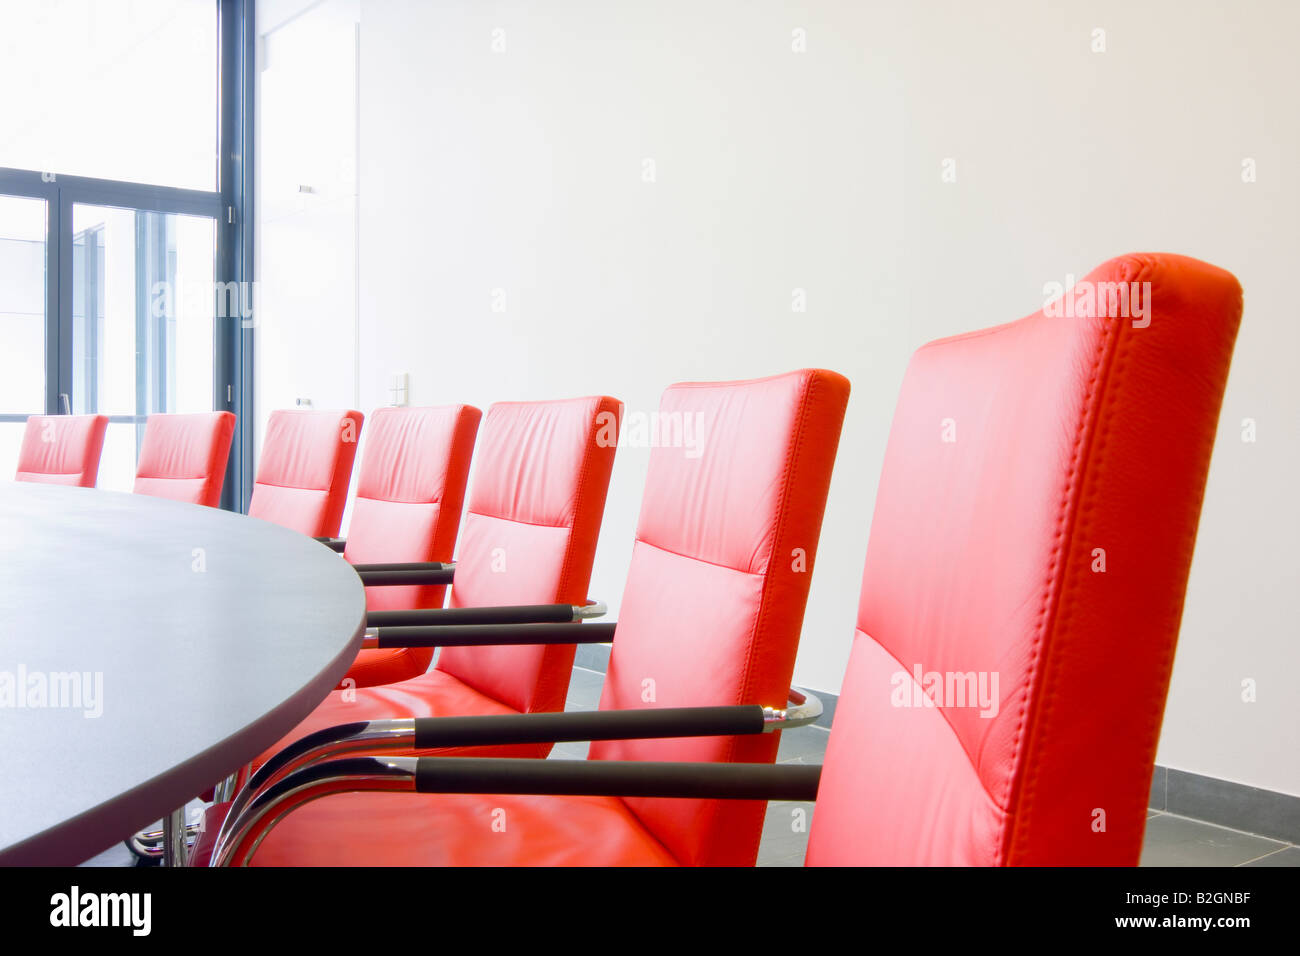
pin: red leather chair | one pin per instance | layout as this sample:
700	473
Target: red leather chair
183	457
1035	520
529	537
1081	444
710	615
62	449
305	468
410	494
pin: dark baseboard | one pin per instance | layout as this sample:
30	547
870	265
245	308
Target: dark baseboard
1262	812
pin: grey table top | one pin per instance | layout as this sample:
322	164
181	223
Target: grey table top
199	638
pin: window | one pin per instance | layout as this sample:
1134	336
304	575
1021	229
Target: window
116	90
123	198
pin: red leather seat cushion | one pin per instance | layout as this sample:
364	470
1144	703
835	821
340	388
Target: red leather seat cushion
404	829
387	665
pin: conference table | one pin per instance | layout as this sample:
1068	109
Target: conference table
148	649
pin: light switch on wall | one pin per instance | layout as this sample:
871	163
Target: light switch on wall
399	389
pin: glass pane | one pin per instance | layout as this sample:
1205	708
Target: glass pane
142	302
117	463
22	306
11	441
112	90
142	331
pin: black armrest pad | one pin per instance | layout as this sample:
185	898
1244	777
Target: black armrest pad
432	732
509	614
620	778
482	635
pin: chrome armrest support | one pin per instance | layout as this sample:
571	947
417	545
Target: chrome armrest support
589	610
429	733
802	709
241	836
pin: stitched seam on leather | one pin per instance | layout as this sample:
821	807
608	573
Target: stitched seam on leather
530	524
566	568
272	484
396	501
691	557
943	712
578	500
1089	481
1090	414
1149	727
765	600
342	462
1007	829
1070	582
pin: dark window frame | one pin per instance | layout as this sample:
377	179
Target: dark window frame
230	205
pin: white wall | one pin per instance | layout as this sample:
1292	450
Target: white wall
305	336
522	170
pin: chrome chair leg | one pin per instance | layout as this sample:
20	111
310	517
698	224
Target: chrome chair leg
175	851
147	845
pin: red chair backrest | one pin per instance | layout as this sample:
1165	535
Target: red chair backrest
529	536
183	457
62	449
410	494
715	596
306	465
1021	458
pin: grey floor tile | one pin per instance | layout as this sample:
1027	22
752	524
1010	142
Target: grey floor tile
808	744
571	750
1178	841
785	833
1287	857
584	689
594	657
